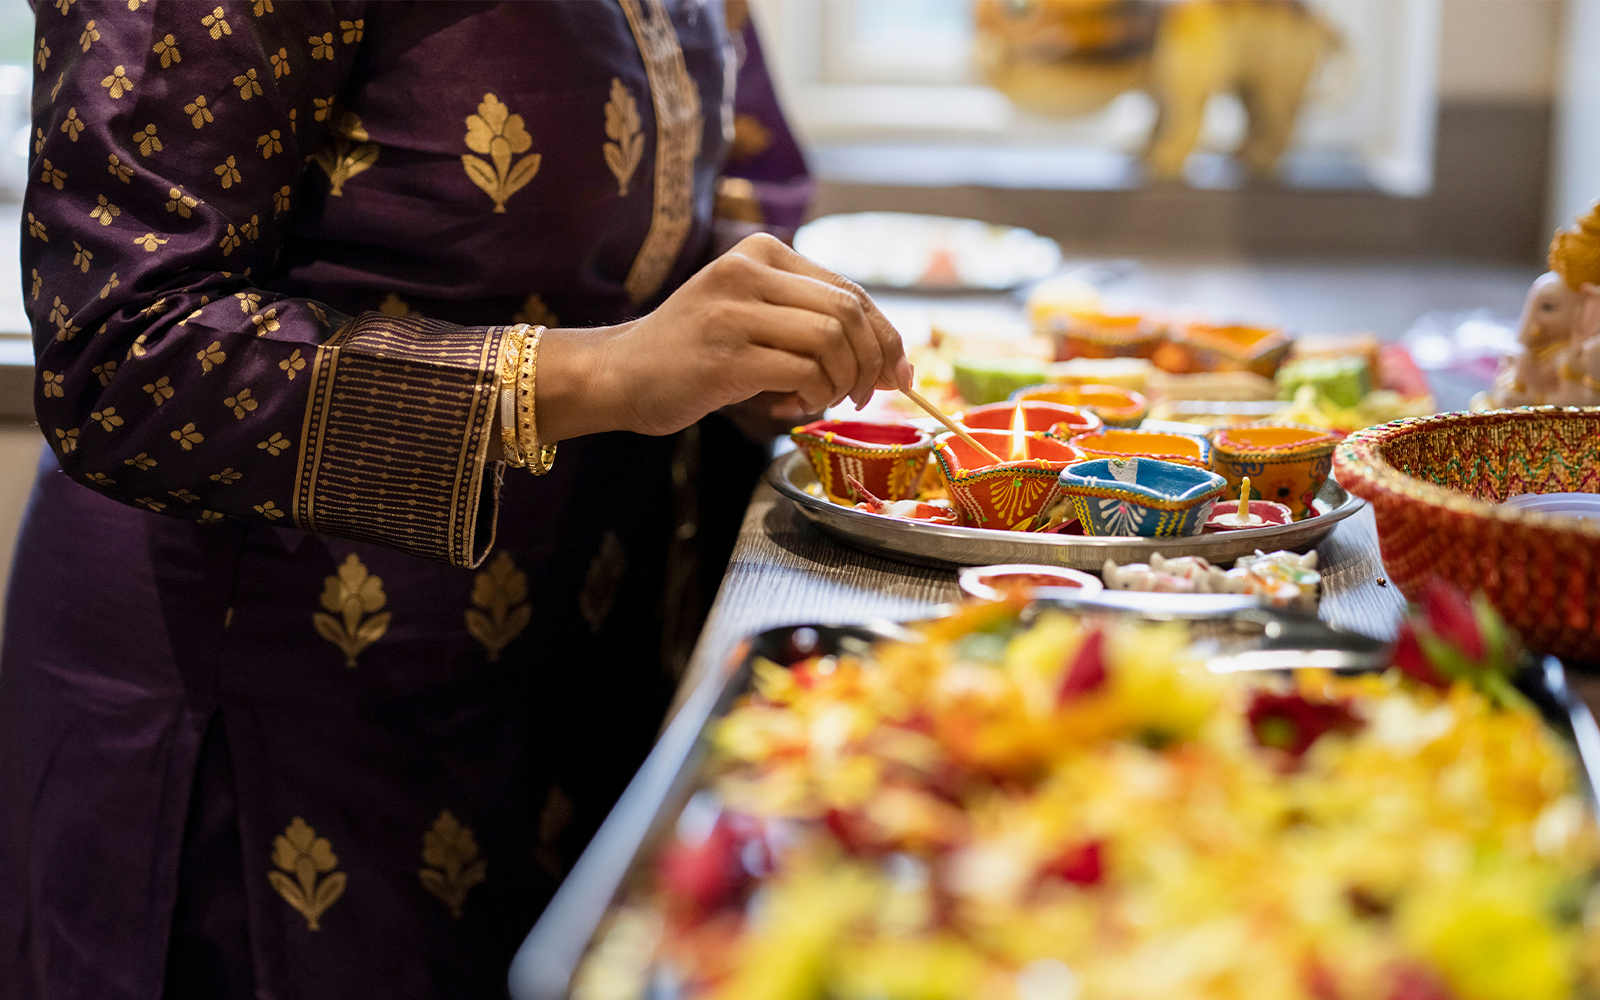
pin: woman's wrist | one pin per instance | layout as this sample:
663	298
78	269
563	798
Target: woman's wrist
577	390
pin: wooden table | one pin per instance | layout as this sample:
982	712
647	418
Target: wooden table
786	571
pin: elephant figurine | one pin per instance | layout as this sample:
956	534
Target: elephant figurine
1559	329
1070	57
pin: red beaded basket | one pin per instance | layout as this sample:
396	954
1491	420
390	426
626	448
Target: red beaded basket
1434	484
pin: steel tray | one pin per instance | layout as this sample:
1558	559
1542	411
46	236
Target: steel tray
649	808
949	545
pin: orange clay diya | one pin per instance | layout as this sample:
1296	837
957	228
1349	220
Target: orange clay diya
1248	513
1106	335
1115	405
1163	446
886	458
1203	347
1286	463
1010	496
1040	417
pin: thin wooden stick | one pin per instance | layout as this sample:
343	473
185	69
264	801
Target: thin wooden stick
955	428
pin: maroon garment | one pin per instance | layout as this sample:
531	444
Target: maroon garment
241	759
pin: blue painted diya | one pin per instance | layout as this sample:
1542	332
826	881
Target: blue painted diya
1140	496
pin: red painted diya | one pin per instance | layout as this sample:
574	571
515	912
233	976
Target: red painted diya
1009	496
886	458
1039	416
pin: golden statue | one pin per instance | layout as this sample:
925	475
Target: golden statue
1070	57
1560	327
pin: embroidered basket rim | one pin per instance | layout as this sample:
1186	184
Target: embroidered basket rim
1360	467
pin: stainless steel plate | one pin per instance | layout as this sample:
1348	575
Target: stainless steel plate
946	545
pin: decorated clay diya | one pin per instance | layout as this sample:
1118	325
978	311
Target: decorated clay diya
1009	496
996	583
1039	417
887	458
1106	335
1140	496
1258	349
1286	463
1117	406
1164	446
1247	513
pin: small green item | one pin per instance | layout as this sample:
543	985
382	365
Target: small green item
1342	381
991	380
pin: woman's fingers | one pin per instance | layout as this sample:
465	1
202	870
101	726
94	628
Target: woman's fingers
813	335
890	367
782	371
798	292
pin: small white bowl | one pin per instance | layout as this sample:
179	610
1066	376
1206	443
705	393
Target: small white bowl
975	579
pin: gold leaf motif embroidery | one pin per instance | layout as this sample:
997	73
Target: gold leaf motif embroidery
262	7
280	64
82	258
38	141
602	582
217	23
111	283
107	418
269	144
52	176
99	479
251	231
68	440
160	390
197	111
105	211
211	356
183	495
352	30
72	125
351	594
322	46
104	372
394	305
142	461
248	301
146	138
209	516
121	171
118	83
292	364
53	384
553	821
622	125
341	158
180	203
268	510
38	283
62	5
167	49
248	85
230	239
281	200
500	593
54	91
227	477
240	404
298	851
451	852
228	171
61	317
149	241
36	229
535	313
152	503
188	437
137	348
498	134
43	56
89	37
275	445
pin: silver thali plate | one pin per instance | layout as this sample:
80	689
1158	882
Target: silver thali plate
949	545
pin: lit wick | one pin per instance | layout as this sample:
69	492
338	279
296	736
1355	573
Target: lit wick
1019	434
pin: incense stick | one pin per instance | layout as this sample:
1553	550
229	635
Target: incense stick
954	428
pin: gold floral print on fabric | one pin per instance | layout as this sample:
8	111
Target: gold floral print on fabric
600	586
626	147
534	312
450	852
357	598
90	35
678	126
554	819
346	152
498	134
501	609
299	852
394	305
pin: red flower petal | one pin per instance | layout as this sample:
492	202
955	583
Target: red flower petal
1449	616
1087	670
1408	656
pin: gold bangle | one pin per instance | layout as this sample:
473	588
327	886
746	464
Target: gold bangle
510	364
540	457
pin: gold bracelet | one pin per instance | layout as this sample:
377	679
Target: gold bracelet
540	457
510	364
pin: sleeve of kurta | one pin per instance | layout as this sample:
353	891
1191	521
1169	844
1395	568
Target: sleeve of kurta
171	143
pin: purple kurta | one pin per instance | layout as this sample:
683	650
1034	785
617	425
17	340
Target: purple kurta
269	250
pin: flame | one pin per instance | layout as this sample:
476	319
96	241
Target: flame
1019	434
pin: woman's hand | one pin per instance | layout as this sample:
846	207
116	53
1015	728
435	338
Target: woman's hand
760	318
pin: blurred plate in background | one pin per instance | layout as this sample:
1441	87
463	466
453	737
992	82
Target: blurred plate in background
928	252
